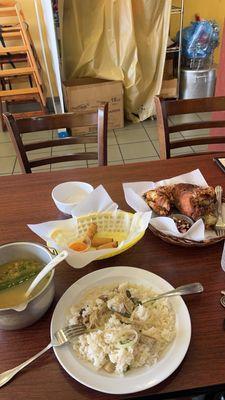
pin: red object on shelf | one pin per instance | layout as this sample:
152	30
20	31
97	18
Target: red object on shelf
197	18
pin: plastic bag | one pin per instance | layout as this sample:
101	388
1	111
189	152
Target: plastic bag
200	39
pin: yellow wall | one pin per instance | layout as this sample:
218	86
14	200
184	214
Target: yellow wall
30	16
207	9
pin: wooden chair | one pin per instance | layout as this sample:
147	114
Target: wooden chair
167	108
18	127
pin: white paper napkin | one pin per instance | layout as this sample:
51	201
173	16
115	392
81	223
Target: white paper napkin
134	191
97	201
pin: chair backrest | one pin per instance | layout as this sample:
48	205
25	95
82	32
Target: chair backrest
97	119
167	108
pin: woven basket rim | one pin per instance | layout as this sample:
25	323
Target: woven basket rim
184	241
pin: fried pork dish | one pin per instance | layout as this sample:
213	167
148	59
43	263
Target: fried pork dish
191	200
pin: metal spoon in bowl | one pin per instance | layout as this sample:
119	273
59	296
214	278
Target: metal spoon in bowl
52	264
180	291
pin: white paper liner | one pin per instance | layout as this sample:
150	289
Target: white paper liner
134	191
97	201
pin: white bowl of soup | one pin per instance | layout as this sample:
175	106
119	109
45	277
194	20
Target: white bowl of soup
20	262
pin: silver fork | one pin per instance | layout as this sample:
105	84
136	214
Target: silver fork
61	337
220	225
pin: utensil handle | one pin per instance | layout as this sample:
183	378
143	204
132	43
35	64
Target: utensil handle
7	375
60	257
180	291
219	191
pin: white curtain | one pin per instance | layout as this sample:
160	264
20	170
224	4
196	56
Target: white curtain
117	40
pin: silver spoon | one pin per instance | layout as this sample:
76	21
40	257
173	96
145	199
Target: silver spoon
52	264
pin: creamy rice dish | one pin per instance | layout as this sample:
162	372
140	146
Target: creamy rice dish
122	333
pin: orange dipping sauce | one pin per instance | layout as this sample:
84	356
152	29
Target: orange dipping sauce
78	246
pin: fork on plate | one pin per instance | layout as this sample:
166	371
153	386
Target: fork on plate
62	336
220	224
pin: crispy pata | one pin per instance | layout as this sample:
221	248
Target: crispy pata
192	200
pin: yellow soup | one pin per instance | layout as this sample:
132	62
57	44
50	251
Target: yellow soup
15	278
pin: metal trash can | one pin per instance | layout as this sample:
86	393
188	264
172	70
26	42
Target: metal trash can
197	83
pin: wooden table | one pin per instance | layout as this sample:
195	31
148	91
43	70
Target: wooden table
27	199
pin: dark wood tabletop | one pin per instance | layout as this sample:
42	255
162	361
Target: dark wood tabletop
27	199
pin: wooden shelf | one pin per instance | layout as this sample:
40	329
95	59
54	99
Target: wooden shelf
176	10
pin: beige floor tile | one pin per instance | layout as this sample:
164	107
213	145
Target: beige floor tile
111	139
205	116
183	150
153	134
137	150
44	168
129	125
36	136
7	150
183	118
92	164
68	149
150	123
39	153
113	154
195	133
118	162
17	169
4	137
135	160
200	148
170	122
132	136
7	165
69	165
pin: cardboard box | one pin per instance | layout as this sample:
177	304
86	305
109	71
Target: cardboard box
169	88
86	94
168	69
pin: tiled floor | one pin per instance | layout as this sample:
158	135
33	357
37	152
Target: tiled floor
133	143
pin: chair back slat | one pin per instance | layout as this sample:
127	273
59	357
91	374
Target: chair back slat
191	106
57	121
61	142
197	141
17	128
59	159
167	108
196	125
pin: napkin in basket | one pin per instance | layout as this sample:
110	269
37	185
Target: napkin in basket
133	194
97	201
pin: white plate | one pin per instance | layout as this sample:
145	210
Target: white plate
137	379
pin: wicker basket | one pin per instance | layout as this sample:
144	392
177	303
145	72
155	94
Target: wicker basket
183	241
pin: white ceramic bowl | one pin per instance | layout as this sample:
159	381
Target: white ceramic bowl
68	194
